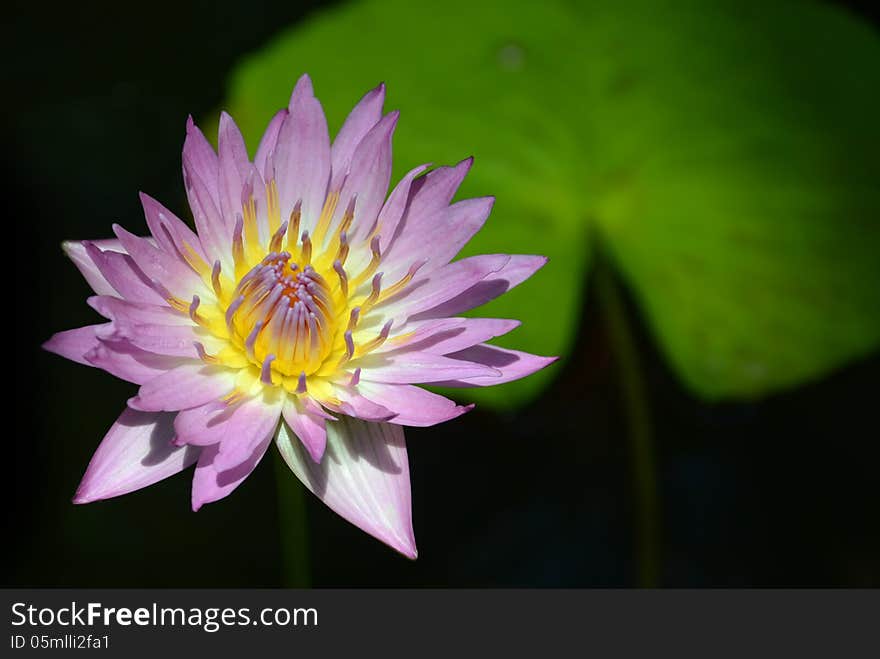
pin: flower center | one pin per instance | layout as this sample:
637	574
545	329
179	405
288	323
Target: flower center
285	314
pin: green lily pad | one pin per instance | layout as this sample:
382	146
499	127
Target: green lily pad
724	155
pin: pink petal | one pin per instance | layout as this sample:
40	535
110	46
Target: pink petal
234	166
362	118
267	145
212	484
445	233
136	452
254	420
428	291
215	231
126	278
307	425
129	362
354	405
136	313
302	156
364	477
370	175
433	193
76	252
170	340
213	422
392	211
169	231
443	336
183	387
74	344
416	367
515	271
202	160
158	265
512	364
413	406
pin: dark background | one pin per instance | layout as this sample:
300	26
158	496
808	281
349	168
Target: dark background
777	492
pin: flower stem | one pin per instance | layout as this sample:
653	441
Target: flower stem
293	527
638	416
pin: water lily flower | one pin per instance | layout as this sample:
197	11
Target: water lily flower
304	308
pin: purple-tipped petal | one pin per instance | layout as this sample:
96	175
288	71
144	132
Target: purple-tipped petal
364	477
136	452
512	364
302	156
76	252
75	344
360	120
412	406
212	484
519	268
307	425
418	367
183	387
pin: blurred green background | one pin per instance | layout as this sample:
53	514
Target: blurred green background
705	179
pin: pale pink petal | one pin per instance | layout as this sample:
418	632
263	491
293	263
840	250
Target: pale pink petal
183	387
364	477
360	120
307	425
412	406
74	344
302	156
211	484
416	367
76	252
519	268
136	452
512	364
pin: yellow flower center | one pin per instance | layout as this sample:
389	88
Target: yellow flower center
289	314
